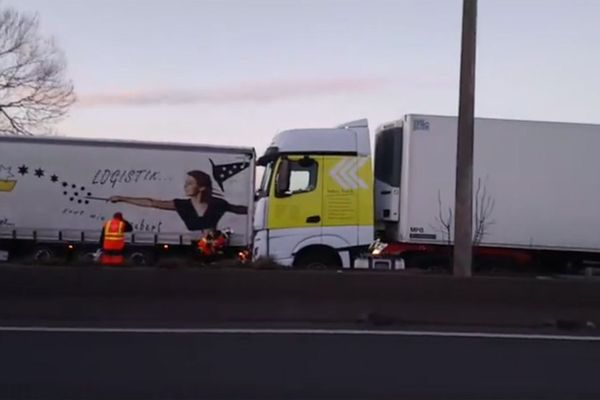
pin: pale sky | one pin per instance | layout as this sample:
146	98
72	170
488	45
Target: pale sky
237	72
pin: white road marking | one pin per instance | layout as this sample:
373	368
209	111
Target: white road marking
341	332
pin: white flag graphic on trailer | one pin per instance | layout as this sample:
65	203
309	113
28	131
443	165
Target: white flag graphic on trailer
345	173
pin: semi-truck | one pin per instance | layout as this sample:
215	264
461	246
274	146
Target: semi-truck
56	193
536	194
324	200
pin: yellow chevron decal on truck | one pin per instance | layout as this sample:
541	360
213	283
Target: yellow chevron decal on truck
344	173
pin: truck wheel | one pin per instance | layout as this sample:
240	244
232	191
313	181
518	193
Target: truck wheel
140	258
318	259
86	258
44	255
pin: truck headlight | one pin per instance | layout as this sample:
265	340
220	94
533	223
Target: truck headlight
377	248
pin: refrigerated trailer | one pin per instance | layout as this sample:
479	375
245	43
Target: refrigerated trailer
536	191
56	193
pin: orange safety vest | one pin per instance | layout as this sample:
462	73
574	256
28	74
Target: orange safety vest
114	235
212	243
205	245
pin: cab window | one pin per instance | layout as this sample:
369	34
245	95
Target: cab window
296	176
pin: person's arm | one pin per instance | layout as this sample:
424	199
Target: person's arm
128	226
144	202
237	209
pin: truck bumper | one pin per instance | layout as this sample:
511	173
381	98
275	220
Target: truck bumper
379	263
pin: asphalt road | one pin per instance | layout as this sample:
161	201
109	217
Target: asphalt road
293	365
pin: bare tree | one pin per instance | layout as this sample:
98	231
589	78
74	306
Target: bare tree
444	222
483	210
484	206
33	90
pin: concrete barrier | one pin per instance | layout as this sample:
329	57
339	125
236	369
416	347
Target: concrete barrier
199	297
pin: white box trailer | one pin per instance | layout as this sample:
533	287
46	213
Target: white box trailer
536	188
57	192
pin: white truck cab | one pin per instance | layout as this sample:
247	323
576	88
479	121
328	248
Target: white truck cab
315	203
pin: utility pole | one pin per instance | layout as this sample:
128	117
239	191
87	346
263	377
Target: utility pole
463	216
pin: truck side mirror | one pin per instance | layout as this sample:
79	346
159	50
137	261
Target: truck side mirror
283	178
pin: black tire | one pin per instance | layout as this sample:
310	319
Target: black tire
45	255
318	259
85	258
140	258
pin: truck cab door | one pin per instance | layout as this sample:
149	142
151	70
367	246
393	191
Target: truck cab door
295	211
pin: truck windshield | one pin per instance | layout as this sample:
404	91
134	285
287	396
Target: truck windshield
263	190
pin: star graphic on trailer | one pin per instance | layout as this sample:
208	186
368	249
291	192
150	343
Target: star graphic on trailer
23	170
72	192
39	172
225	171
54	178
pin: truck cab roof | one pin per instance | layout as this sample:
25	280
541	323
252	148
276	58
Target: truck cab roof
351	138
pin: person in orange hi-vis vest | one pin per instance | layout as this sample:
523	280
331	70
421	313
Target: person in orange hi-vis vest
213	243
113	240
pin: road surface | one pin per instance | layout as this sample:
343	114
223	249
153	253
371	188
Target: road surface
293	364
